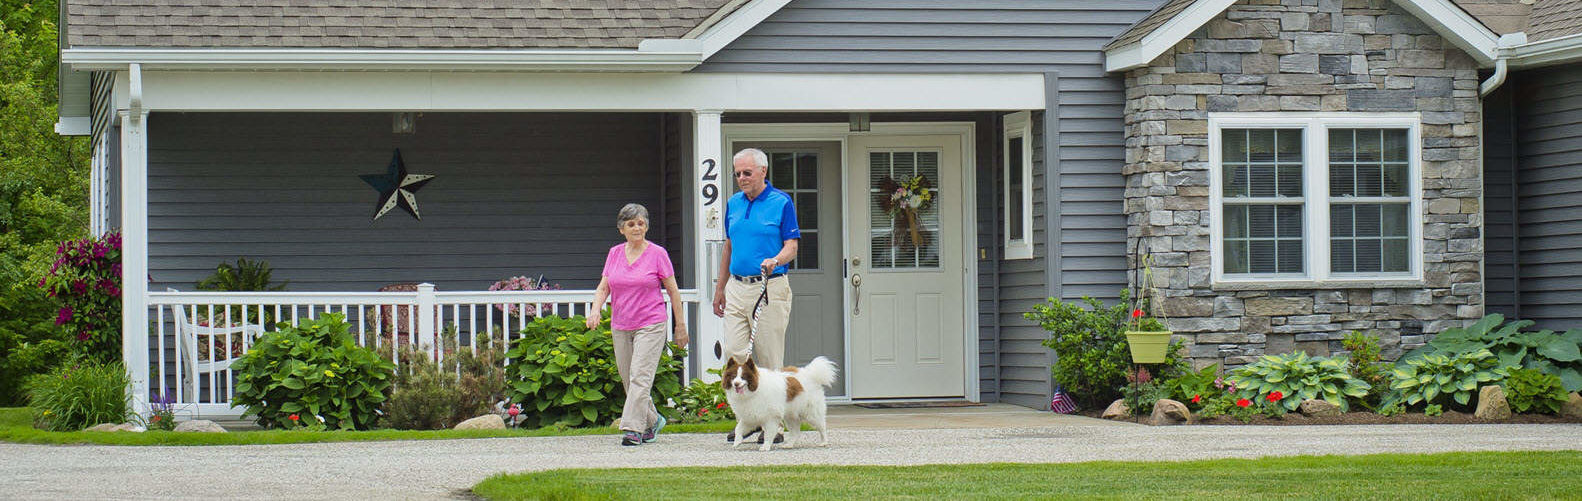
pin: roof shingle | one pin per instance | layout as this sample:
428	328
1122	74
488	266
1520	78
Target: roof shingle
408	24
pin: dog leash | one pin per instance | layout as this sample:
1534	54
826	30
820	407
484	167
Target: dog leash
758	307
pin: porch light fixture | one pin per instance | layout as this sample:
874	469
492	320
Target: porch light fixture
403	122
859	122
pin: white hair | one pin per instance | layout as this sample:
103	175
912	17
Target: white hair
630	212
759	158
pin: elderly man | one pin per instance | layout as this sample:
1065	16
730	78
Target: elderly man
761	236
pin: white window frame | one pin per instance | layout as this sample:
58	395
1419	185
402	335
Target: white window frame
1018	125
1315	189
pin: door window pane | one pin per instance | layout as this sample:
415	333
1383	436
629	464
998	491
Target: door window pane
796	173
901	238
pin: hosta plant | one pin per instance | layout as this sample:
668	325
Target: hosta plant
1297	377
312	370
563	373
1432	378
1530	390
1554	353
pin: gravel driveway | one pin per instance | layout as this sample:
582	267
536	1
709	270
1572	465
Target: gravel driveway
439	469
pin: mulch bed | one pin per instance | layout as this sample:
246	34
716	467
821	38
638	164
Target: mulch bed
1297	419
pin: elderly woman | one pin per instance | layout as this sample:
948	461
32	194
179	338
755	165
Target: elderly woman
634	273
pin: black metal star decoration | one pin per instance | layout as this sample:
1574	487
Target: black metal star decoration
397	188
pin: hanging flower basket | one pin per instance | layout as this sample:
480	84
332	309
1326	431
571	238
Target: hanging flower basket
1148	347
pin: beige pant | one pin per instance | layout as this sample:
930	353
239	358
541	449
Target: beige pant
769	344
637	358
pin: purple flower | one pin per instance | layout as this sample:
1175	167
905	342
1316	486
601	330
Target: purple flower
79	287
64	316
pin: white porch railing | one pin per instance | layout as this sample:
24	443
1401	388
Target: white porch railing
196	335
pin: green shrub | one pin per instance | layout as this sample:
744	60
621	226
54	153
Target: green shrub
75	396
1297	377
313	369
1433	410
23	355
1363	364
1140	397
464	385
1092	356
1431	378
1239	407
701	402
1532	390
563	373
244	276
1557	354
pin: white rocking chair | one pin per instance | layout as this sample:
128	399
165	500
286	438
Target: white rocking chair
187	332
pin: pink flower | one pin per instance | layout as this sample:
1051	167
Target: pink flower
63	316
515	409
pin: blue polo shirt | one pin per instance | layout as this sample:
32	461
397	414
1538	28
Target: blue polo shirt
758	228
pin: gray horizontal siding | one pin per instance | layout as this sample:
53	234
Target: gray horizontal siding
1544	280
993	36
514	194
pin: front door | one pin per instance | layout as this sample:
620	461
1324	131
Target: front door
906	271
810	173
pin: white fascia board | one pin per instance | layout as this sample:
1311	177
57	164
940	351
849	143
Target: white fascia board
722	33
1456	25
506	91
1167	35
74	126
1545	53
91	58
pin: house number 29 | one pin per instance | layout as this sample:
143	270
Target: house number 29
711	191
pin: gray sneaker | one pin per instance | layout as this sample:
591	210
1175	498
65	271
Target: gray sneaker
652	433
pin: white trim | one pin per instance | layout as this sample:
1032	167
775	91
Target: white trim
134	252
1450	21
1315	236
105	58
839	132
74	126
708	223
1017	125
500	91
1545	53
721	34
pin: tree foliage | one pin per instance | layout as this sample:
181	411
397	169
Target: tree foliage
43	191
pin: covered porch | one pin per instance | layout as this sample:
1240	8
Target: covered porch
265	165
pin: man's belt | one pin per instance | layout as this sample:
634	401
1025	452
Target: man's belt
753	279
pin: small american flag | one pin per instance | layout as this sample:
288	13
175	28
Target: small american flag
1061	402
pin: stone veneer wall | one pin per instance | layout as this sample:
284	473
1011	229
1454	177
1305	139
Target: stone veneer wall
1302	55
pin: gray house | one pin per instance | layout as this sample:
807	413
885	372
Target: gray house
1070	149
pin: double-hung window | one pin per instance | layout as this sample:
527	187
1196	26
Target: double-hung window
1319	198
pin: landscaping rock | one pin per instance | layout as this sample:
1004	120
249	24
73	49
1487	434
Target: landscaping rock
1170	412
484	422
102	427
1492	404
1573	407
1313	407
129	427
201	426
1117	410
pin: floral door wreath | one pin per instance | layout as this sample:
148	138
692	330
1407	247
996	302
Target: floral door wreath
902	201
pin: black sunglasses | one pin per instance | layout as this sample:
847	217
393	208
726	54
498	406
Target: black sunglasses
744	173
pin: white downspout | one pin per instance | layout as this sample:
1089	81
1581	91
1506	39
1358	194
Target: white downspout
1501	62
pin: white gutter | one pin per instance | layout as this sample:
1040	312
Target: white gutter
1545	53
91	59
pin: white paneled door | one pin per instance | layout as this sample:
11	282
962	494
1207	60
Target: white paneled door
905	282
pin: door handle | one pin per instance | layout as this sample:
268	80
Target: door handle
856	294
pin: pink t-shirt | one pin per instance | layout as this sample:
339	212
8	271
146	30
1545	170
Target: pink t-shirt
637	289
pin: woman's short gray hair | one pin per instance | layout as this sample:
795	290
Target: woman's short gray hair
630	212
760	159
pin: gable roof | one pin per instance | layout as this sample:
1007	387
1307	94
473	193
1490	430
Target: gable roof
1175	20
386	24
1554	19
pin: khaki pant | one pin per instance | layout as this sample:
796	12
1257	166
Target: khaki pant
769	345
637	358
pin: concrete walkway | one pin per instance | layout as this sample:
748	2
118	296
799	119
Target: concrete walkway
439	469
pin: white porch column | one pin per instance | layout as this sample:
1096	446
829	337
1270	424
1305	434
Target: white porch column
709	220
134	242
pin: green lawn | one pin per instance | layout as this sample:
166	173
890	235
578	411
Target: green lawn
1475	475
16	426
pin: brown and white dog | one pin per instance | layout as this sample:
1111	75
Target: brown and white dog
767	399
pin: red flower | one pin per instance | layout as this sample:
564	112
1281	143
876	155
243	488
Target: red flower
156	418
721	406
1276	396
1197	398
294	418
515	409
1243	403
1137	313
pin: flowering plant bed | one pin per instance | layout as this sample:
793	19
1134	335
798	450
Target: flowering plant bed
1361	418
